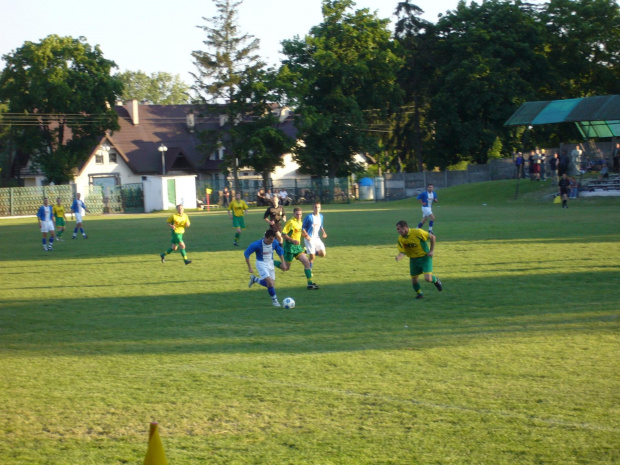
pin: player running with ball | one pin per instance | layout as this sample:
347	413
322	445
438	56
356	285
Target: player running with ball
264	249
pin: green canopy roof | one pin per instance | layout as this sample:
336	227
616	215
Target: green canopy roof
594	116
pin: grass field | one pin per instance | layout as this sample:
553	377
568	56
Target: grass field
517	361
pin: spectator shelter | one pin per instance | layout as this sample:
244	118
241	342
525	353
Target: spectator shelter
595	117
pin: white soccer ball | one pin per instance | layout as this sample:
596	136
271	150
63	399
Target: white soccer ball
288	303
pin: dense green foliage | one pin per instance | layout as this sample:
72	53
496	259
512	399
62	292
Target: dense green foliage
343	76
62	90
515	362
158	88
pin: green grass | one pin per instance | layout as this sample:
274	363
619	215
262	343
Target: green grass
515	362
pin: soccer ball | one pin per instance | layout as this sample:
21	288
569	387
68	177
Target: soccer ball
288	303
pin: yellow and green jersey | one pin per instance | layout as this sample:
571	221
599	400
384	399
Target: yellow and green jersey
238	207
292	229
180	222
416	244
58	211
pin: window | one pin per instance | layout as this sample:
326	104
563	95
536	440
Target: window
112	157
99	159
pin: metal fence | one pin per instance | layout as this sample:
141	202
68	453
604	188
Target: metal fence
25	201
299	191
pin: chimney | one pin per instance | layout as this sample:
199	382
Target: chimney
189	120
134	112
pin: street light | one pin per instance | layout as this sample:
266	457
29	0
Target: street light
163	149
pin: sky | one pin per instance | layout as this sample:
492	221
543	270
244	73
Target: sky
160	35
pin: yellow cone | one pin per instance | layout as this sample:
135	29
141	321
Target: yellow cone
155	454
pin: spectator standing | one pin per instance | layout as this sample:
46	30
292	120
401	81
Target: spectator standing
543	165
519	165
225	197
573	188
553	167
616	158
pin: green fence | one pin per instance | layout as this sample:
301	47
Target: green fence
25	201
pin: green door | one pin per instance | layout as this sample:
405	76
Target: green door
172	193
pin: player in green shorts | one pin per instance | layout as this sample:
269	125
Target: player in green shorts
236	210
291	233
414	243
177	222
61	221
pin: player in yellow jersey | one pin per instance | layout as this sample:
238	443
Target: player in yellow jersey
236	210
177	222
414	243
292	233
61	221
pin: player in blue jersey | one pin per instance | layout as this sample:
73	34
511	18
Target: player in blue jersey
45	216
264	249
427	198
78	208
313	226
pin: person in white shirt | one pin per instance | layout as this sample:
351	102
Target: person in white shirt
46	223
313	225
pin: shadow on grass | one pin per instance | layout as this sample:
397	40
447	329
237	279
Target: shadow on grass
344	317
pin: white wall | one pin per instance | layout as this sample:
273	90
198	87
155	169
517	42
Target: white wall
156	192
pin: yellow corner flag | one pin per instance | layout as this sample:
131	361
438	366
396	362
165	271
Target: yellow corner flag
557	199
155	454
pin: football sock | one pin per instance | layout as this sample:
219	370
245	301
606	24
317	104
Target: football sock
51	240
430	225
184	254
169	251
237	236
75	231
311	263
262	282
417	288
60	233
308	274
420	224
82	230
272	292
44	241
277	263
434	279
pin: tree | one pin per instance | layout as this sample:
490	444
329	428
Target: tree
158	88
489	59
584	47
63	88
343	78
415	78
228	84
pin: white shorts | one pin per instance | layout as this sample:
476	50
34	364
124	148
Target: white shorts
426	211
78	217
47	226
314	245
265	270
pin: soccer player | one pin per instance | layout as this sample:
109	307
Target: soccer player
274	216
46	223
78	207
313	227
264	249
236	210
178	222
59	216
414	243
291	233
427	198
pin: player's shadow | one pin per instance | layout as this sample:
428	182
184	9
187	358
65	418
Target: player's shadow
344	317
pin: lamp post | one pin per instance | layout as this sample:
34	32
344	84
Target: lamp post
163	149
